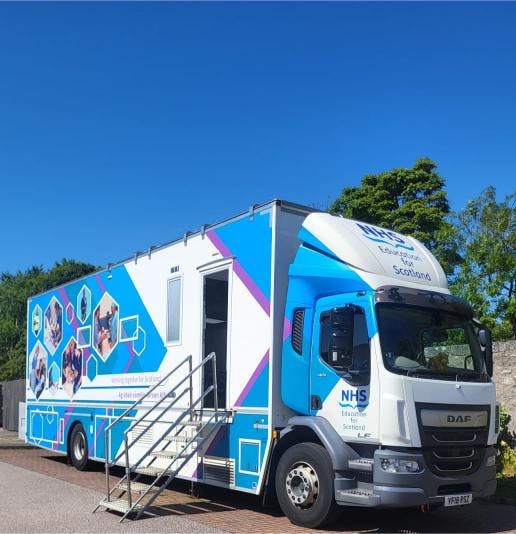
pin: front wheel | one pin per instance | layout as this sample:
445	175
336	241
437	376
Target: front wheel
304	485
78	450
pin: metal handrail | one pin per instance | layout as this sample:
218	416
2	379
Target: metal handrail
185	378
172	427
107	430
184	459
177	422
126	432
210	356
148	393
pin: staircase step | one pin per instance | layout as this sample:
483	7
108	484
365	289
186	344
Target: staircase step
152	471
196	424
182	439
361	464
119	505
168	454
136	487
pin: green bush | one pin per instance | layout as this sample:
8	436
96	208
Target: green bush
506	458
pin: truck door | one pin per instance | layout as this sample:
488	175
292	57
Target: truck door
340	389
215	333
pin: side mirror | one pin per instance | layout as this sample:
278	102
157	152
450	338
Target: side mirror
486	342
341	341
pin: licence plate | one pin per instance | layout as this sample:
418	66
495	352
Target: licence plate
458	500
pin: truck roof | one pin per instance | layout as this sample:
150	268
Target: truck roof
189	234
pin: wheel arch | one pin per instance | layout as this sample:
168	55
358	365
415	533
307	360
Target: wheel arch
340	452
312	429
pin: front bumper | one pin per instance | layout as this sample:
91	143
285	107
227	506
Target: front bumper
400	490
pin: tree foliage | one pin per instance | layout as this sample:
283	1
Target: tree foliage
411	201
15	289
486	276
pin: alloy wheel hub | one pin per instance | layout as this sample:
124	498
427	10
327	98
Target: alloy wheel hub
302	485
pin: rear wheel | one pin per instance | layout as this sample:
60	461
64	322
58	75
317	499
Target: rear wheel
304	485
78	448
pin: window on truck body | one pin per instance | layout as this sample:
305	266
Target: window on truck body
174	309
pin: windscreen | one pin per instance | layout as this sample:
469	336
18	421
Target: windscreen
429	343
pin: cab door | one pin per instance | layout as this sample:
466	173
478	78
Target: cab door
340	385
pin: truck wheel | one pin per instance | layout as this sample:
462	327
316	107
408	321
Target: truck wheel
78	449
304	485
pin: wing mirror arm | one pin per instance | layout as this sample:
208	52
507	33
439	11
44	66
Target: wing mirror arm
486	342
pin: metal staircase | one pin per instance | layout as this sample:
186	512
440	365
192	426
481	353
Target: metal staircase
164	457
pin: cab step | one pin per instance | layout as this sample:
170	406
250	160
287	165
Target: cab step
361	464
357	497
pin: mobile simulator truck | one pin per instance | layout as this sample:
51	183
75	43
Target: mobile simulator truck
287	353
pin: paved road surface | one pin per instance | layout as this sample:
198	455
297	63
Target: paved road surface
24	507
31	502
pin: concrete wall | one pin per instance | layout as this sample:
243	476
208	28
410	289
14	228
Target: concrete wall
504	356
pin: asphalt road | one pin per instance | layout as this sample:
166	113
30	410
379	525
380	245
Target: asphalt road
31	502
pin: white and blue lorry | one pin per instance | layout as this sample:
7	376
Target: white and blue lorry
283	352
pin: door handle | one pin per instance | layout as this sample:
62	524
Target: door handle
315	402
321	375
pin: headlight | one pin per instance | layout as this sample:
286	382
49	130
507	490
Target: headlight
491	460
393	465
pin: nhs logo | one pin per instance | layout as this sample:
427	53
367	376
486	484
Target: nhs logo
354	398
379	235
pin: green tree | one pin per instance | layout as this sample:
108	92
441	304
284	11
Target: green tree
411	201
15	289
486	276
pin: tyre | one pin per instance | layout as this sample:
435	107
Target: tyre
304	485
78	449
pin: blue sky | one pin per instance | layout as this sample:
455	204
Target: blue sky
124	125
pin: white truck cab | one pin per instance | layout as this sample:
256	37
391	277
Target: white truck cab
387	370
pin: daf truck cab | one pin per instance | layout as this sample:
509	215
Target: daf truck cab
387	376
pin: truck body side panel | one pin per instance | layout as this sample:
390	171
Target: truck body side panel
97	344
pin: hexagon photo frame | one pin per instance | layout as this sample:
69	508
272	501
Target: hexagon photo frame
70	313
140	342
105	326
71	365
83	304
38	369
37	320
53	325
54	378
92	368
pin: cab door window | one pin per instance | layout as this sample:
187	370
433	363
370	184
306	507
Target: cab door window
358	373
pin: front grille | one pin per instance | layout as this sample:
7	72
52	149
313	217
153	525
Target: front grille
454	436
453	451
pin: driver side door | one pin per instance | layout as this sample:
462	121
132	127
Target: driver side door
343	395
